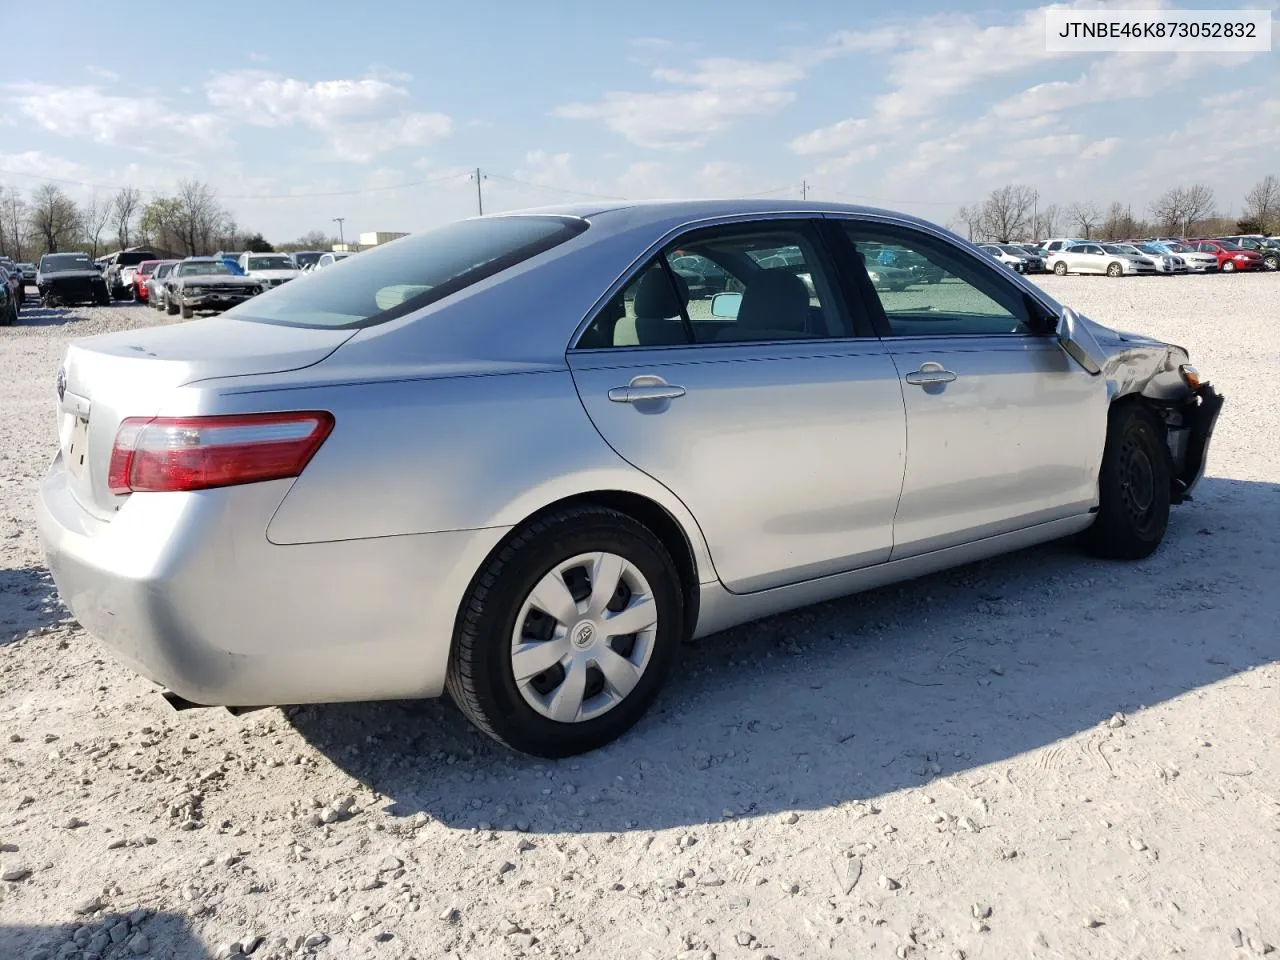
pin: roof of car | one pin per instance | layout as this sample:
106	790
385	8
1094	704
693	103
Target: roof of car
657	211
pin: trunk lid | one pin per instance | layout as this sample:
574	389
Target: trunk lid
107	378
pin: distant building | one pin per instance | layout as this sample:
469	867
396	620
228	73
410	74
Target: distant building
373	239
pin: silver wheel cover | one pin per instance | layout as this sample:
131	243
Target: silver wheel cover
575	658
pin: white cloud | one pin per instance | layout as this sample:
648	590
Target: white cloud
86	112
845	135
360	118
36	164
717	93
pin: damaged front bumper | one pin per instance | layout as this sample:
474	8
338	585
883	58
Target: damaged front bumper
1189	440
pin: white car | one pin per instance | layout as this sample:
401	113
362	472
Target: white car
1054	244
329	259
1098	258
1002	252
272	269
1196	261
1168	263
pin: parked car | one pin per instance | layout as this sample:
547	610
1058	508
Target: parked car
114	265
1231	257
1196	262
539	539
1014	257
8	308
155	284
28	273
8	298
272	269
329	259
1054	244
141	274
305	259
13	279
206	285
1098	258
1166	263
64	279
1268	249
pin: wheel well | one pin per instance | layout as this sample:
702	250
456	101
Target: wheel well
1162	412
664	526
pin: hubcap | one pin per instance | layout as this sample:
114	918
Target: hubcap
583	637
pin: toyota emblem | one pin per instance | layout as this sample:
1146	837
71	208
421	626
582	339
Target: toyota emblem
62	383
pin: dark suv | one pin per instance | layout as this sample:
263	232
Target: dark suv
116	286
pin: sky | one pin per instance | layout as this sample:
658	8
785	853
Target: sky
377	112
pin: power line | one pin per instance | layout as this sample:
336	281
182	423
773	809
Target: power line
547	186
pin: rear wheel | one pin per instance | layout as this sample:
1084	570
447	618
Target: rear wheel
1133	486
567	633
1060	268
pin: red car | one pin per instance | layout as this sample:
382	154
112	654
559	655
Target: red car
1231	256
140	279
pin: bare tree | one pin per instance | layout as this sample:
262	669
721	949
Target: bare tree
1262	204
1199	205
54	217
198	215
13	224
95	216
1168	210
1120	224
969	217
1046	224
1006	214
126	207
1084	215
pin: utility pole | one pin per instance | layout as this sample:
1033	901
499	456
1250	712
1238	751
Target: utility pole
804	189
1035	215
342	240
479	195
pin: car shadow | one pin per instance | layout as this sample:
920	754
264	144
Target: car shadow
165	934
28	601
866	695
40	316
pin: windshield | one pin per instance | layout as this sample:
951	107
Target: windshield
1228	245
279	262
61	262
202	268
395	279
1016	251
307	258
163	270
1151	248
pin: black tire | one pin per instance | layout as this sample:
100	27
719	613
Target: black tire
1271	261
187	313
1134	485
170	307
1115	270
1060	268
481	680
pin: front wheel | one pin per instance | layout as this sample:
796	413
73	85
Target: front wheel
567	632
1133	486
1271	261
1060	268
187	313
1115	270
1229	267
170	307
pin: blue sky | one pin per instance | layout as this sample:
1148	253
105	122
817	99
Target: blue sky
900	104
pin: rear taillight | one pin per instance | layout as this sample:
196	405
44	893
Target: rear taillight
195	453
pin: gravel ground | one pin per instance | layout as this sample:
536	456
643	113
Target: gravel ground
1038	756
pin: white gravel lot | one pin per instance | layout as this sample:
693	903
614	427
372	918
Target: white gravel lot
1040	756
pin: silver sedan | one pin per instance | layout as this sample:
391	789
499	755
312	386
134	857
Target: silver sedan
521	458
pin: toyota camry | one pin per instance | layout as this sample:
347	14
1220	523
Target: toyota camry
521	458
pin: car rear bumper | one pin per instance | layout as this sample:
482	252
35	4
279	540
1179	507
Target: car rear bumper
186	589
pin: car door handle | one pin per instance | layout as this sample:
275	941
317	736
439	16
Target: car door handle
645	391
929	373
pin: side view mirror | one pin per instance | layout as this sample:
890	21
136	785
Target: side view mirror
725	306
1078	342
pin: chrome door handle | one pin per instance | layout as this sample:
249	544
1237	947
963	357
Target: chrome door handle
929	373
645	387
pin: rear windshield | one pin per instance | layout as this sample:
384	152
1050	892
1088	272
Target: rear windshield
133	258
402	276
270	263
58	262
307	257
